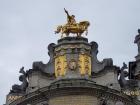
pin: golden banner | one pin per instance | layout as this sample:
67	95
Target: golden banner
84	64
60	65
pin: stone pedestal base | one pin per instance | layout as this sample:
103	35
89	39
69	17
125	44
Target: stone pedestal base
137	57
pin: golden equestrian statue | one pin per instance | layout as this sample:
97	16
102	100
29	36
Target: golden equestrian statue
72	27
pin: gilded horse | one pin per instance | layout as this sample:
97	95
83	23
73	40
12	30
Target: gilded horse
77	28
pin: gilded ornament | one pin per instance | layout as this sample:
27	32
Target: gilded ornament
85	64
72	27
60	65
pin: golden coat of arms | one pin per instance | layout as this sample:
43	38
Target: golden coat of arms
72	27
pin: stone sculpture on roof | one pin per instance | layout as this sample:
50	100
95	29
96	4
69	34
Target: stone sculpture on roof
137	41
20	88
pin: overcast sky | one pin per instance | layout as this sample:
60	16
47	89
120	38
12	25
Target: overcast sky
27	27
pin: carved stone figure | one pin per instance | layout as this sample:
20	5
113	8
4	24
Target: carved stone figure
126	84
123	75
72	27
137	41
21	88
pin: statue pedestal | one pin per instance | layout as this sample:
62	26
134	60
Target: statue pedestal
137	57
137	70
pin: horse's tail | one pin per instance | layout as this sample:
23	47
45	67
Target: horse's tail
58	29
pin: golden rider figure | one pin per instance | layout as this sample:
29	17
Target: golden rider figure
70	19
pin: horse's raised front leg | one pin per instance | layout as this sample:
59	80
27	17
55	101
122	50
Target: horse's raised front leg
67	34
78	34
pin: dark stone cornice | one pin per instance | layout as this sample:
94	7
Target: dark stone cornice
73	39
30	71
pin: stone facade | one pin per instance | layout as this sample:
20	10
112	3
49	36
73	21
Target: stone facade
75	76
73	100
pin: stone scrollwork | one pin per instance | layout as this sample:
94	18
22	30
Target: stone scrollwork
96	64
21	88
46	68
18	90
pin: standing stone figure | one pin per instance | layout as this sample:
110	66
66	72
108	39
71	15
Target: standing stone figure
137	41
123	75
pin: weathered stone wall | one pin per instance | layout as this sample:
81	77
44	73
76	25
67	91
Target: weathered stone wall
33	82
38	80
74	100
109	79
44	80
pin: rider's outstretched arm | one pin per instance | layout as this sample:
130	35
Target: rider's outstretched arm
66	12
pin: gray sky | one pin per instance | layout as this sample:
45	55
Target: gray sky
27	27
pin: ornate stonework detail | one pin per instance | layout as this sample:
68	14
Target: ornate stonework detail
72	64
60	65
76	46
97	65
13	97
68	87
21	88
84	64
